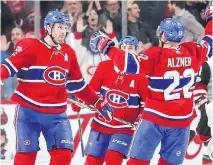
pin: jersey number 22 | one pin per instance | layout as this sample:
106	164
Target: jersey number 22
175	75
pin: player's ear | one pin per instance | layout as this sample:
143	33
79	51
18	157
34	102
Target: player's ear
49	29
163	37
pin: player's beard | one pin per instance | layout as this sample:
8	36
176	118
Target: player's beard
61	39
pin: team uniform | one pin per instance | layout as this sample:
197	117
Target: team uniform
126	94
168	110
46	74
203	102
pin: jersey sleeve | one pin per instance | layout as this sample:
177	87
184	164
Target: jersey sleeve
147	61
125	62
208	38
200	98
143	89
203	49
97	79
22	57
202	82
76	84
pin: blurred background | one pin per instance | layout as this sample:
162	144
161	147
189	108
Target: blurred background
24	19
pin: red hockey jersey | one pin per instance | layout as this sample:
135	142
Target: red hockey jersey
172	73
44	74
125	93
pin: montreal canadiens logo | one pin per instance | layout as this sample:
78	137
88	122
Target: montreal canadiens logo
55	75
117	99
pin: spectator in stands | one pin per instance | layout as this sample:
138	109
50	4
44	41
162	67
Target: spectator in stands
6	90
197	9
88	60
74	10
95	19
139	29
152	12
17	7
5	154
7	20
28	26
16	35
47	6
113	13
6	50
194	31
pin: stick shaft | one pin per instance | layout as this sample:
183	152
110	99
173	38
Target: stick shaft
82	105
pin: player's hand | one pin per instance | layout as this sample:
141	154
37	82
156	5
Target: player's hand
209	11
100	42
105	109
75	107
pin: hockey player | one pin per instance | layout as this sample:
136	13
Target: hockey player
172	69
109	142
46	69
203	102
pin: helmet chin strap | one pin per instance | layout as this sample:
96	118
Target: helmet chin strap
52	38
162	42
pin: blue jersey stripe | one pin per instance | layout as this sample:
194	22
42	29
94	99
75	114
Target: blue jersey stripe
49	107
132	65
75	86
163	84
32	74
12	71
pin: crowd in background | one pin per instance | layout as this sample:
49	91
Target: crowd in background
86	17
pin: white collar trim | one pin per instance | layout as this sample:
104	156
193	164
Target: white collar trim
58	47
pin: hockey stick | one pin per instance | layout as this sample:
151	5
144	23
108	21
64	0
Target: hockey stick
80	134
82	105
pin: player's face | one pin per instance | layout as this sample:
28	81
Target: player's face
16	35
59	32
129	48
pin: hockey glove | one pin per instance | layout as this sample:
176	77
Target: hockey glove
104	109
137	121
100	42
201	101
209	11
